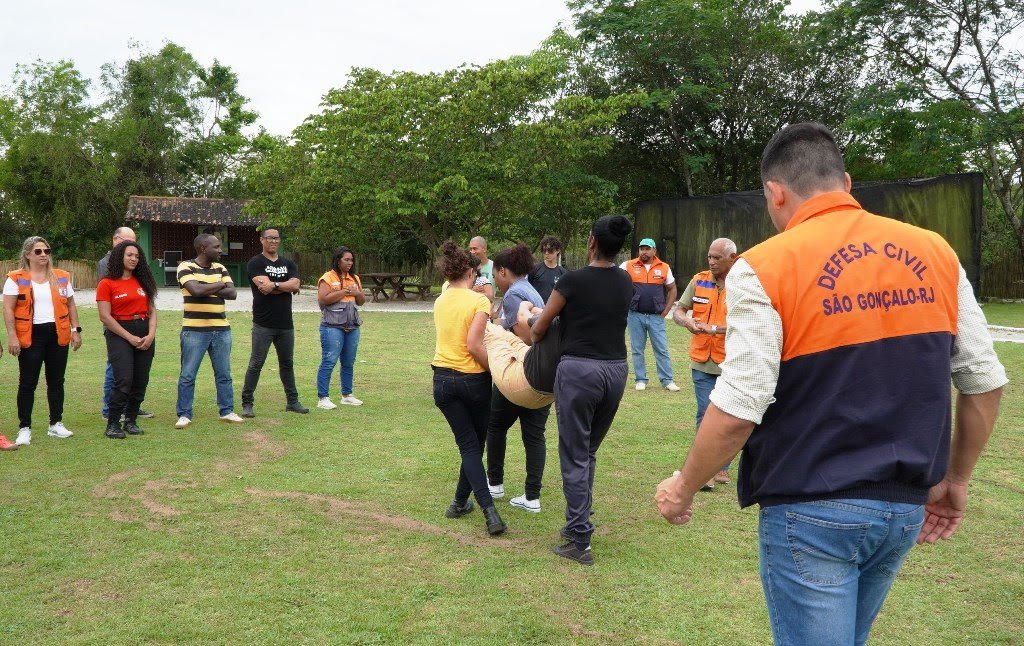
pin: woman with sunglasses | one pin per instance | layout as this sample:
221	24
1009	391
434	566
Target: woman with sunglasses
126	299
42	321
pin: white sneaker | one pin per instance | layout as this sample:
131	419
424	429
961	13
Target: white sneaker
672	387
326	404
351	400
532	506
182	422
24	436
497	491
641	385
59	430
231	417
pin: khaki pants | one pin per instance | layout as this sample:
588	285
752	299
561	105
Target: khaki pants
505	354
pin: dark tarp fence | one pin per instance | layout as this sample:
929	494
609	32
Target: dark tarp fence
683	228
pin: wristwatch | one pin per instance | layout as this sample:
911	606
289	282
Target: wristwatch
77	329
714	329
277	285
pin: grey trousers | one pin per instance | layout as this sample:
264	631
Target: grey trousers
587	392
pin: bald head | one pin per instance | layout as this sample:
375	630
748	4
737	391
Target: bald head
121	234
478	247
721	256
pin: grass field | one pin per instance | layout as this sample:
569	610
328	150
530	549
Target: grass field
329	527
1008	314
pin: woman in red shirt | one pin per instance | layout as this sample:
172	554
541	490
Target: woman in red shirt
126	301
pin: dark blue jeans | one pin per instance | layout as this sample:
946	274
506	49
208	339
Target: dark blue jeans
465	401
196	344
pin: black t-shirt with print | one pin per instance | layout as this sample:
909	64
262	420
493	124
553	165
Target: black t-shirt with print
544	278
272	310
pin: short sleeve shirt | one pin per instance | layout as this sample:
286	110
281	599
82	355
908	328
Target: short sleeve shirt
42	299
271	310
454	311
487	271
126	297
519	291
596	307
203	312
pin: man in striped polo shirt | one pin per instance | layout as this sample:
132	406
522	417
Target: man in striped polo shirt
205	285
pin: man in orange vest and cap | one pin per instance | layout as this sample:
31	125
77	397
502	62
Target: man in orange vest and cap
702	311
845	331
654	290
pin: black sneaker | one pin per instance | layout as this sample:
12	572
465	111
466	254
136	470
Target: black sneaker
144	413
570	551
455	510
294	407
114	431
247	411
131	428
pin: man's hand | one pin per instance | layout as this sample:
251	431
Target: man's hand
680	316
266	286
944	512
676	507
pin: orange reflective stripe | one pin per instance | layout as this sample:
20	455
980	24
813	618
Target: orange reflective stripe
844	276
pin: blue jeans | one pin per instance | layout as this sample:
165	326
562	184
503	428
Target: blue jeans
108	383
703	384
826	566
336	343
640	326
194	346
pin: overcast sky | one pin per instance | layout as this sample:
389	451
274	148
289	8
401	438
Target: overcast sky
286	54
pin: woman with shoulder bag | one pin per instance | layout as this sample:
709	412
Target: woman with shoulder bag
339	291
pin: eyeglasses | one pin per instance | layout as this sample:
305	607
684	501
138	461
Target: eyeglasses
40	252
271	238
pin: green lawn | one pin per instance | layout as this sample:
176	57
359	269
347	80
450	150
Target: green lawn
1008	314
329	527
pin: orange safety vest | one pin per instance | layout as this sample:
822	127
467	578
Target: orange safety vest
868	307
24	307
708	308
648	285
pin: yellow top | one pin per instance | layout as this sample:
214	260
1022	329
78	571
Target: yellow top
454	310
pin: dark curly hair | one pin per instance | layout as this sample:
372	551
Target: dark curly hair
610	233
455	261
550	242
142	272
518	260
339	253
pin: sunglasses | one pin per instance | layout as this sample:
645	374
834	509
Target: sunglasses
40	252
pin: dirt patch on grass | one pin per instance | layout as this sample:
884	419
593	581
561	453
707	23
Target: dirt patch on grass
108	488
363	512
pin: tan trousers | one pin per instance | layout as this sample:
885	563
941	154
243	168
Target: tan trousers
505	354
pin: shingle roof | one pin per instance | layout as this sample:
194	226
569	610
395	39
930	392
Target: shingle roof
189	210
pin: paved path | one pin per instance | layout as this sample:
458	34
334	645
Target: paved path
169	298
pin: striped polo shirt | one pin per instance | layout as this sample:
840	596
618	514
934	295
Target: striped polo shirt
203	312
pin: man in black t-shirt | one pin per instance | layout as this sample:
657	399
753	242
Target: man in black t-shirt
545	274
273	280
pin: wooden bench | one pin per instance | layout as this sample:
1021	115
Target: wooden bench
422	289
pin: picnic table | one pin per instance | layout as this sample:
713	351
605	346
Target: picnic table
383	282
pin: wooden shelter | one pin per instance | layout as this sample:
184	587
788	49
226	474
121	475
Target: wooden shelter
168	226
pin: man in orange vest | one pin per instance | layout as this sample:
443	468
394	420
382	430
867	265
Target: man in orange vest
702	311
654	290
844	332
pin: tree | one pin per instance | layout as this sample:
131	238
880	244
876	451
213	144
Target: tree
954	54
400	162
721	78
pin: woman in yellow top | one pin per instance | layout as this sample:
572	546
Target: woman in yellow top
462	385
339	291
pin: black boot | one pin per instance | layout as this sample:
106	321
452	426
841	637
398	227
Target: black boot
495	525
131	428
114	431
458	510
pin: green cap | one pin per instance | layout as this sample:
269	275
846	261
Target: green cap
648	242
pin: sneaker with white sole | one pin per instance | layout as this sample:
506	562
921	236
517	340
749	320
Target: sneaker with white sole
24	436
641	385
326	404
59	430
231	417
497	491
522	502
672	387
182	422
351	400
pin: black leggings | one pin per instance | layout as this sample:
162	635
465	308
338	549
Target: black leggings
43	351
131	371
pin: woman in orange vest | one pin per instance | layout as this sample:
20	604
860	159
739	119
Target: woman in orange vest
339	291
42	321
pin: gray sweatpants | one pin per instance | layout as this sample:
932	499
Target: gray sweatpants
587	392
